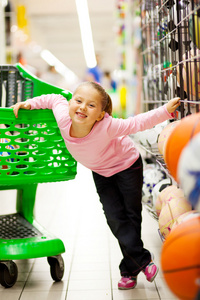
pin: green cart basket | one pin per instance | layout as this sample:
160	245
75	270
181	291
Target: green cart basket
32	151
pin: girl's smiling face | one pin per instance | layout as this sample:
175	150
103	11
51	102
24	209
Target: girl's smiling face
85	108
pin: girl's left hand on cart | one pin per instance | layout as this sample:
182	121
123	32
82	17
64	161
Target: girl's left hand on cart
19	105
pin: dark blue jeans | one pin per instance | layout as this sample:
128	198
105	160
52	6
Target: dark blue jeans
121	196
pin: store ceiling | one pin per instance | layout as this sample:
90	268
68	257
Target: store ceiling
54	26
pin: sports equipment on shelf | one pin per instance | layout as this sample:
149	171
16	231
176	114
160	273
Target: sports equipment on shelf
180	259
189	171
170	211
179	137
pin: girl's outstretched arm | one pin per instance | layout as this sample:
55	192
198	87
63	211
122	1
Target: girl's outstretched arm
19	105
173	104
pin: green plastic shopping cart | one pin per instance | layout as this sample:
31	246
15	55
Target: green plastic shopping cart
32	151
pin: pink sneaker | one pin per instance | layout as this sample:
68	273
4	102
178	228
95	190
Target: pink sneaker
127	283
151	271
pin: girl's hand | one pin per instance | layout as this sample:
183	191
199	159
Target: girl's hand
173	104
19	105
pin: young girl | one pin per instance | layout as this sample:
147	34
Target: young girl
101	143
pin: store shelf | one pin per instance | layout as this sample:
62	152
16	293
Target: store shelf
171	55
171	62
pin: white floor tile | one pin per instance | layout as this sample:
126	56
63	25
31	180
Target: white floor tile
19	285
89	275
45	285
163	289
135	293
92	284
95	267
89	295
50	295
10	294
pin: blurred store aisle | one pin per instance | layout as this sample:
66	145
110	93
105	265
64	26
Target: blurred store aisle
71	210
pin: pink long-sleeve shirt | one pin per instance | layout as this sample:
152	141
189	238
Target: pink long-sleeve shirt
107	149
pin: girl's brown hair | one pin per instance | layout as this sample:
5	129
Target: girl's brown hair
105	98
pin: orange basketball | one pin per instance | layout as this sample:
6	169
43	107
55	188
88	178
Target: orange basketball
179	137
165	134
180	259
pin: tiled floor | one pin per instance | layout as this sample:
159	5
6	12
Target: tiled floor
71	210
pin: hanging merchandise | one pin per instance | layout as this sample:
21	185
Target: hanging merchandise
171	58
22	23
121	12
128	23
171	68
190	73
170	35
123	98
21	17
2	34
194	28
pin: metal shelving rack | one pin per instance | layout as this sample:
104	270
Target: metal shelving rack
170	33
170	50
171	55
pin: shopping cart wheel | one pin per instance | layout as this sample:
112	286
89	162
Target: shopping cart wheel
8	273
56	267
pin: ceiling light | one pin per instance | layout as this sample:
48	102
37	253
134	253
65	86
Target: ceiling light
59	66
86	33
